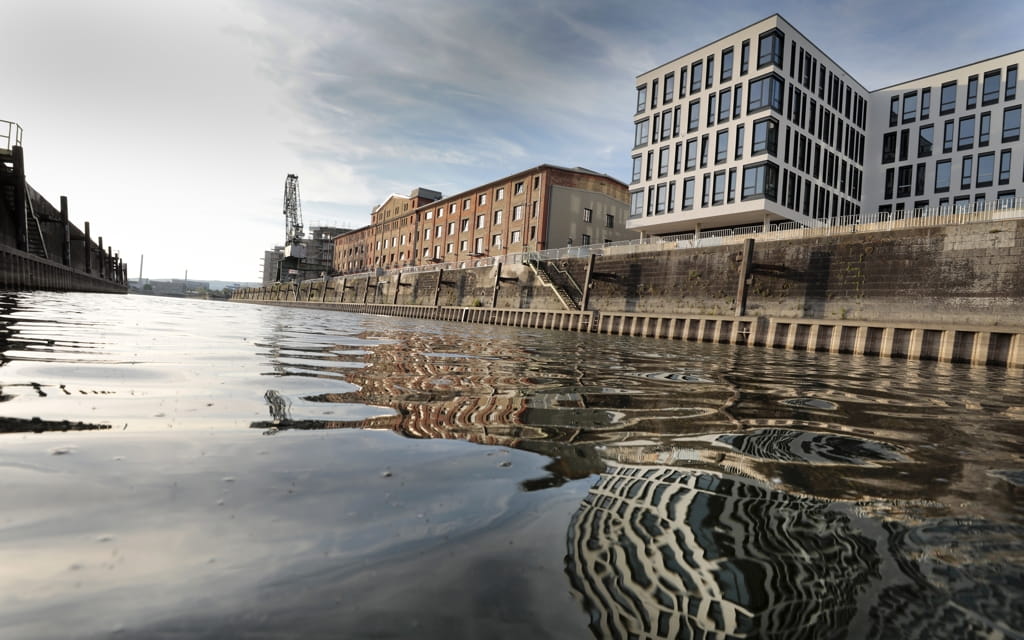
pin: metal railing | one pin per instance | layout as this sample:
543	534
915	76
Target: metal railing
944	215
10	135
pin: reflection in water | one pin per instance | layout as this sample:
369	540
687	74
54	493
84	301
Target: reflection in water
737	492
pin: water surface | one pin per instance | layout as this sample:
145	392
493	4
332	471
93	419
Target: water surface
176	467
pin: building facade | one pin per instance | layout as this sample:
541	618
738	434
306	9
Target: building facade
761	126
539	208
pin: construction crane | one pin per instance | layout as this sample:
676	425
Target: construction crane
294	249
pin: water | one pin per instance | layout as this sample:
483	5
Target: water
201	469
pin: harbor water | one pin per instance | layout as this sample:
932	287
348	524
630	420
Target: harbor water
185	468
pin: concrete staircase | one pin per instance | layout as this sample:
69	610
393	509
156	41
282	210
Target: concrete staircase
567	301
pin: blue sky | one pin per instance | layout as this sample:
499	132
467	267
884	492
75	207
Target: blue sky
171	126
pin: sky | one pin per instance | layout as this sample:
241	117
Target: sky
171	126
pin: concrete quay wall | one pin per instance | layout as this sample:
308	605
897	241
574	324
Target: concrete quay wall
952	293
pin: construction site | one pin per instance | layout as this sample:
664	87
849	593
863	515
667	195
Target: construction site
302	255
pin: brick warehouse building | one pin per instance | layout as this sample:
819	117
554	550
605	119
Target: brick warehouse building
539	208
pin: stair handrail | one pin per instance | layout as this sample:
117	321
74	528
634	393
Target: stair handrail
10	135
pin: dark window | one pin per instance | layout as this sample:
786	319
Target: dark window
965	172
670	88
679	157
760	181
724	104
641	99
765	93
654	93
984	126
663	162
909	107
990	88
890	177
766	137
693	118
889	147
894	111
637	168
677	120
924	141
972	92
636	204
726	72
769	49
722	146
691	154
942	174
660	206
745	57
705	192
732	185
947	99
1011	124
682	82
719	195
687	194
947	136
656	128
1004	166
703	151
919	180
1011	82
737	107
709	80
966	138
1006	199
904	144
666	125
986	169
711	110
650	169
926	103
739	142
671	198
696	75
904	176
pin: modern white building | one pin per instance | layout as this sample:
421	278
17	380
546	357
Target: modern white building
761	126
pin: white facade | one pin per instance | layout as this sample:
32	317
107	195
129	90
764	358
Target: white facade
952	138
759	126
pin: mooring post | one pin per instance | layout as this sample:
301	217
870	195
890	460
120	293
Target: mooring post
100	269
744	276
497	285
20	199
437	289
65	254
398	287
88	249
587	283
110	263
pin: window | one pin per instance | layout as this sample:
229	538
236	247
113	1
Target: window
942	175
909	107
636	209
654	93
451	228
496	240
894	111
966	138
451	247
437	231
682	82
687	194
676	120
1011	124
693	121
517	212
691	154
1011	83
679	157
726	72
465	224
926	103
1006	199
499	194
584	239
965	172
703	151
984	124
639	139
666	125
670	88
972	92
904	144
452	207
765	92
904	176
588	215
924	141
737	104
705	191
986	169
482	199
650	165
1004	167
766	137
696	75
481	221
663	162
739	142
947	99
426	234
518	189
919	180
641	99
732	185
638	162
655	128
889	147
660	206
722	146
478	245
609	221
711	110
947	136
744	57
497	217
467	203
711	72
769	49
890	178
463	245
990	88
719	192
760	181
724	104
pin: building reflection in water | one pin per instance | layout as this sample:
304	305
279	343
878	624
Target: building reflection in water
725	506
